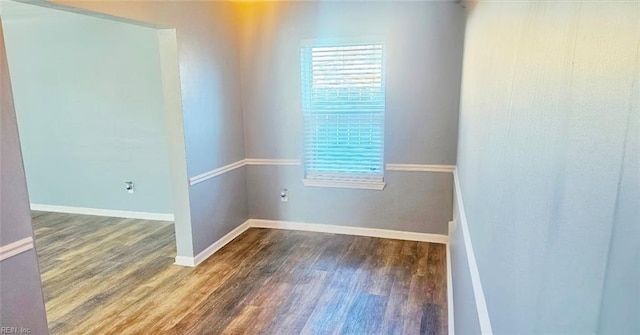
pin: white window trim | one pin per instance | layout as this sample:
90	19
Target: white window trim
364	185
342	41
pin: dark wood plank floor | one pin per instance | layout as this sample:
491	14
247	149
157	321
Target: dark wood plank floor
116	276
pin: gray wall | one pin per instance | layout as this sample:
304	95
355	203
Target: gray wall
411	201
207	47
548	98
620	313
465	312
466	319
88	95
423	44
21	301
227	207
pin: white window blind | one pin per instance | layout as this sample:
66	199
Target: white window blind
343	104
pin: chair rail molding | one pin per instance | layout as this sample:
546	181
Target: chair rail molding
16	248
241	163
297	162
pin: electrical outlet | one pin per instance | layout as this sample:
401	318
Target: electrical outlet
284	195
128	185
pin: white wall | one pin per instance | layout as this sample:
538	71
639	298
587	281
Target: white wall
549	95
423	49
89	101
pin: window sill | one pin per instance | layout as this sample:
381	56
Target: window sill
364	185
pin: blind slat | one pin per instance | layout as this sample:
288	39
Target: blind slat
343	105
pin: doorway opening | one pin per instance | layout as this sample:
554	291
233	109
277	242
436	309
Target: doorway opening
98	106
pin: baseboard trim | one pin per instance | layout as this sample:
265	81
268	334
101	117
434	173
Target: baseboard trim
320	228
347	230
450	309
221	242
103	212
420	168
478	291
210	250
185	261
16	248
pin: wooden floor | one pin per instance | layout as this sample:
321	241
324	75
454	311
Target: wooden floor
115	276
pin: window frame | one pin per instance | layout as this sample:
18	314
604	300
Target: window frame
343	180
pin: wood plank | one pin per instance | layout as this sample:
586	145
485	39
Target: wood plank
366	315
115	276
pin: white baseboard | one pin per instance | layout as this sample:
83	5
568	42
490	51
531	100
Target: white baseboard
221	242
185	261
321	228
104	212
346	230
210	250
478	291
450	309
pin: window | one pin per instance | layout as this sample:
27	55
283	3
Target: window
343	102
